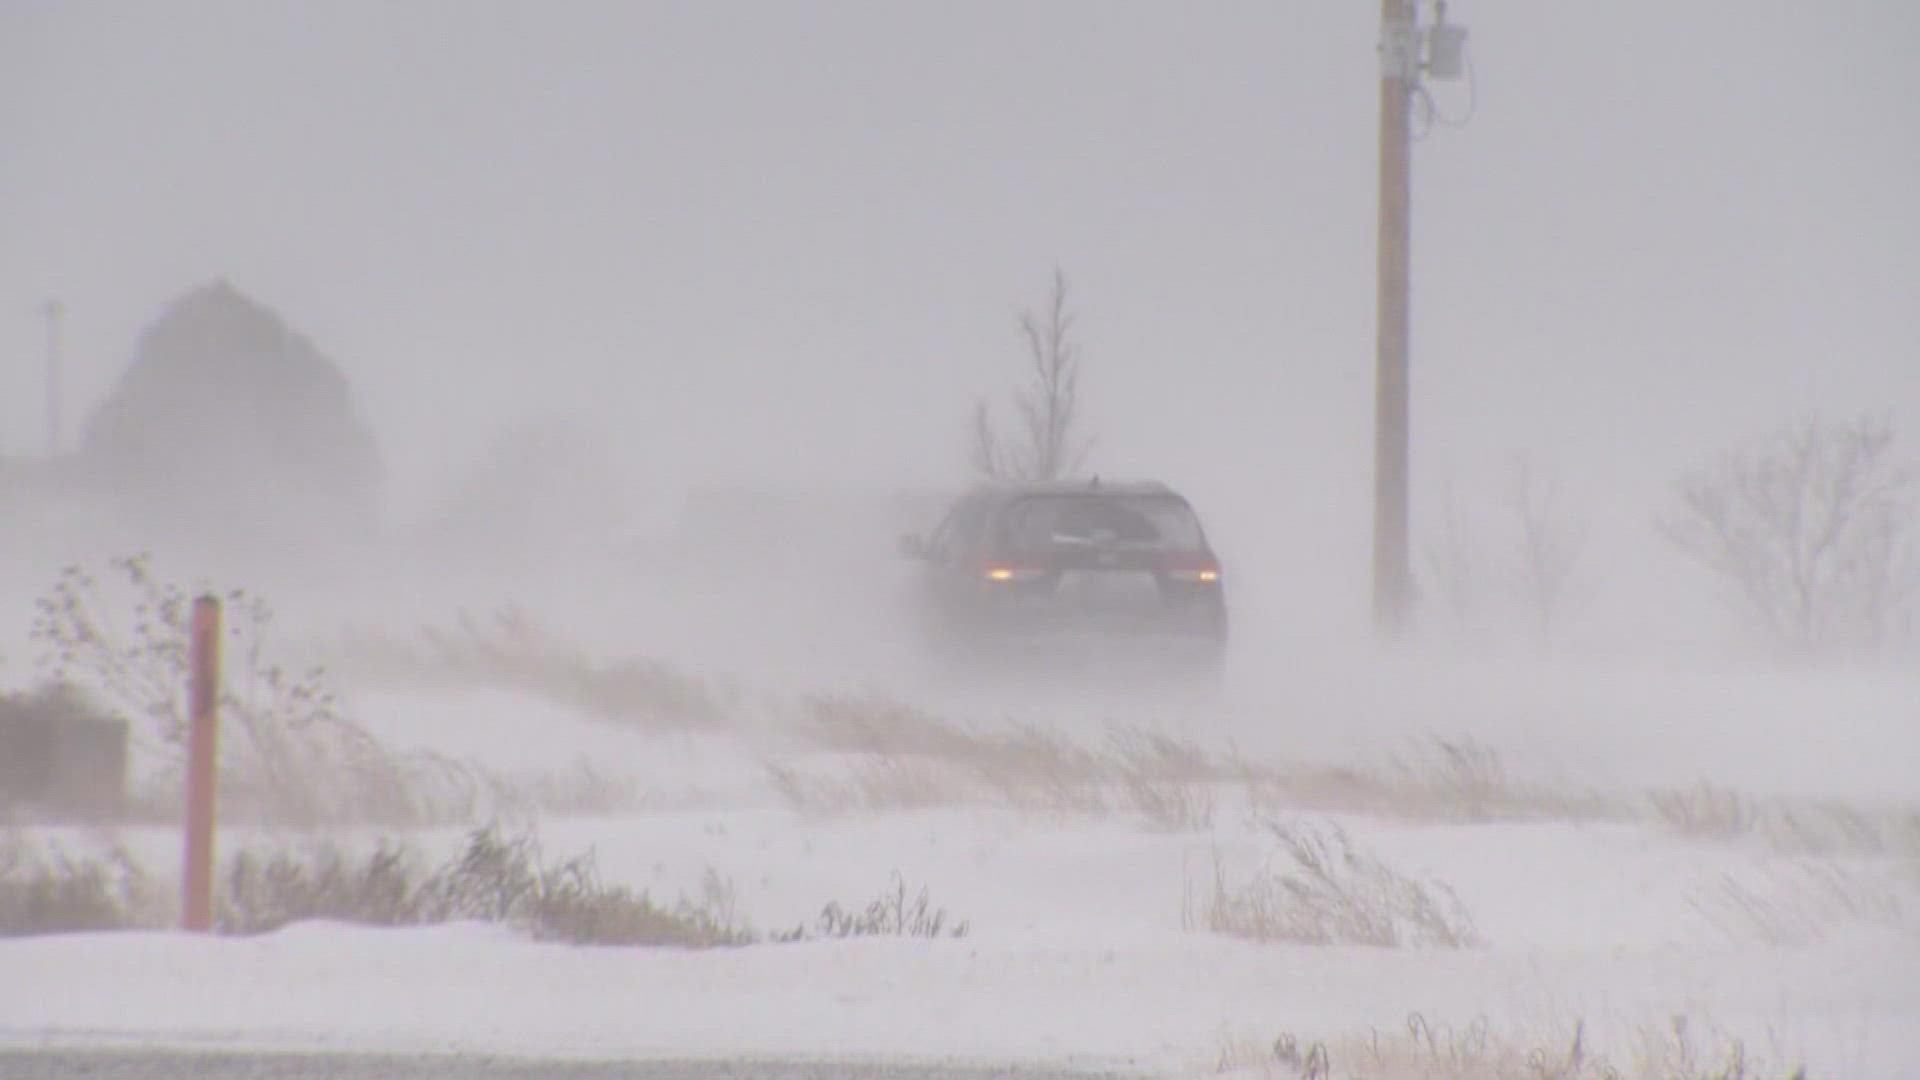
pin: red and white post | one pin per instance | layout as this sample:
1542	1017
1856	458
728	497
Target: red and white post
203	744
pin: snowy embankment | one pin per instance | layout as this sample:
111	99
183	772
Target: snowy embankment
1791	928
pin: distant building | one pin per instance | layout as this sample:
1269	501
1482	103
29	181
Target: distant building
231	428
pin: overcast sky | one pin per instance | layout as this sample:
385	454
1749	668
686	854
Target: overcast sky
785	241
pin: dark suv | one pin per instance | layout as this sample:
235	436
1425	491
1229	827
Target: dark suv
1028	567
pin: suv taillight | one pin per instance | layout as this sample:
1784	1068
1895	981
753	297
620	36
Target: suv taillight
1194	570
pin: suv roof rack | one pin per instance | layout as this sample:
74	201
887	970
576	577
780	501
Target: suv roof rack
1093	483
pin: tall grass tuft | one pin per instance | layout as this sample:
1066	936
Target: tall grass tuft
891	914
1326	891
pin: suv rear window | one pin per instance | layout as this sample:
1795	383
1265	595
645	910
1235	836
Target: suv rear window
1161	522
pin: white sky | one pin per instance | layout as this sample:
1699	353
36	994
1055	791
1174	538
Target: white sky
785	242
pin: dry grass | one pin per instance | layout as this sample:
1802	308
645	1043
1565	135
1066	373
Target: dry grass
1428	1051
510	651
49	892
1803	827
1805	903
496	878
1453	780
892	756
1163	782
1705	811
1319	889
877	725
875	784
261	891
891	914
898	757
584	790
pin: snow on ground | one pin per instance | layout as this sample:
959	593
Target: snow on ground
1156	1000
1079	948
1076	954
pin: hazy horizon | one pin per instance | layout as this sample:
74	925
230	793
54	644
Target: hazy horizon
783	246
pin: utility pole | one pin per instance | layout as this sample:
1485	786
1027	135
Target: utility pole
53	311
1406	50
1392	560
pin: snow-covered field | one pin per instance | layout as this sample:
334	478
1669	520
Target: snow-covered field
1607	893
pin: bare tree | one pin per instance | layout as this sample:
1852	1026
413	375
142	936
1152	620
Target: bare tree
1455	562
1044	443
1811	530
1523	563
1550	538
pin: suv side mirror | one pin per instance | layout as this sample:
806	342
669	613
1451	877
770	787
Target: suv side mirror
913	546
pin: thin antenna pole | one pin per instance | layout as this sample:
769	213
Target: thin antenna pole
53	311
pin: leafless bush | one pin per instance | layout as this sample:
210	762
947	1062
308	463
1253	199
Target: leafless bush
1812	534
890	915
1431	1051
510	651
1328	892
49	892
297	759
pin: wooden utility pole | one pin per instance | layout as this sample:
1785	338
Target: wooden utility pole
1392	561
53	311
